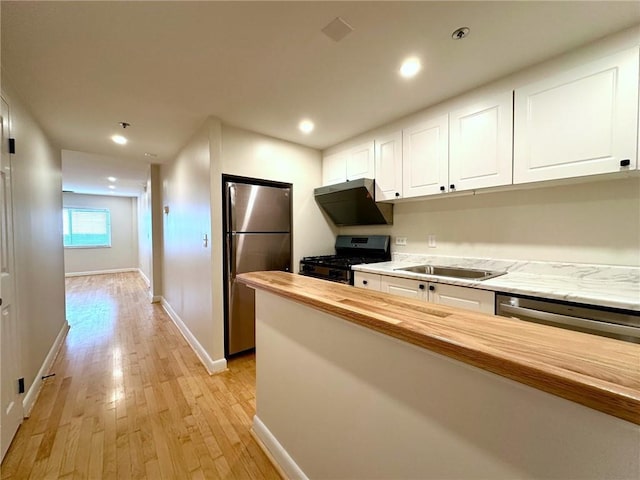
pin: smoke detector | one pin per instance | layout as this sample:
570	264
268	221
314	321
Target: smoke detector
460	33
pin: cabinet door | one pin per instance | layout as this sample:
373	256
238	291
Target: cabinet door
579	122
480	144
425	158
404	287
462	297
369	281
360	162
334	168
388	155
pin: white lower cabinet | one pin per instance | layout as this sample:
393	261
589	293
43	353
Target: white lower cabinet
369	281
440	293
405	287
462	297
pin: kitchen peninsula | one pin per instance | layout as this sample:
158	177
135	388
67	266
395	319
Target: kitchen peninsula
359	384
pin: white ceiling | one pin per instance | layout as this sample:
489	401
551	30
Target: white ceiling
165	66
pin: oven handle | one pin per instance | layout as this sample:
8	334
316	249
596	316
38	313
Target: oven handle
594	325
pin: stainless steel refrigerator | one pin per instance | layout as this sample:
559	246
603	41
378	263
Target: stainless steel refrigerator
257	237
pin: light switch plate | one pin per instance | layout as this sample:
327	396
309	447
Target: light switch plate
401	240
431	241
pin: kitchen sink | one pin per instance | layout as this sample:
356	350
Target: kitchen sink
453	272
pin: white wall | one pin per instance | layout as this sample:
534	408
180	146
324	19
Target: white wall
338	400
186	264
123	253
192	189
39	261
249	154
595	222
145	240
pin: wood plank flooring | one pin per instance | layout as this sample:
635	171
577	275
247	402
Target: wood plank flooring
131	400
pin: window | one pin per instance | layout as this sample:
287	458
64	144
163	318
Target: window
86	227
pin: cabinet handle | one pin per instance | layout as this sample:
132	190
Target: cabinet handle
397	194
442	189
364	282
432	288
625	163
421	287
452	186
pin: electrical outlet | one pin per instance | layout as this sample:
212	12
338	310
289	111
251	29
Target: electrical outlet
401	240
431	241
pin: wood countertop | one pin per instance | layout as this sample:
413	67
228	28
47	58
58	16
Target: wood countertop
598	372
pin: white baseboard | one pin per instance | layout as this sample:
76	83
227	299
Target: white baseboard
276	452
144	277
100	272
155	298
212	366
32	395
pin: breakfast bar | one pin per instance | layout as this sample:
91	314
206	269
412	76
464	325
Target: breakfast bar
362	384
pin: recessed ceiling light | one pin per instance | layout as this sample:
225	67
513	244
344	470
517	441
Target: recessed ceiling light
410	67
112	187
306	126
119	139
112	179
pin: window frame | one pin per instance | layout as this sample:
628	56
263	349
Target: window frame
67	213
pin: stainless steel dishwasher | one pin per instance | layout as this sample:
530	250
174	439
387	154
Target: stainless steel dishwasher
620	324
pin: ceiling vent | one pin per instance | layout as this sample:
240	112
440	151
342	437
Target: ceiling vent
337	29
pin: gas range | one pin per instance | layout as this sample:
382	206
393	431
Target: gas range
350	250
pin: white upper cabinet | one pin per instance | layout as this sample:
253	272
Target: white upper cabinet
579	122
360	162
480	144
334	168
388	166
349	164
425	157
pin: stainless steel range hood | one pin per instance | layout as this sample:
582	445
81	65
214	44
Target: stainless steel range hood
354	203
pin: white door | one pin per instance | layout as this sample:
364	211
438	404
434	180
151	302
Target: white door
404	287
578	122
334	168
12	411
462	297
368	281
388	156
360	162
425	158
480	144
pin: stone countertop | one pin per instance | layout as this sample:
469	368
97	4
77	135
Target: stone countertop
600	285
600	373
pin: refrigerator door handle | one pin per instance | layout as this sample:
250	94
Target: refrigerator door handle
231	200
231	260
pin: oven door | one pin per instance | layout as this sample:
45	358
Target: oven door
324	272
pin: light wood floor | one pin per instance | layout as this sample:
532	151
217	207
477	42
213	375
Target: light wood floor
131	400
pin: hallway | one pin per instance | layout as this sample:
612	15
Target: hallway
130	399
